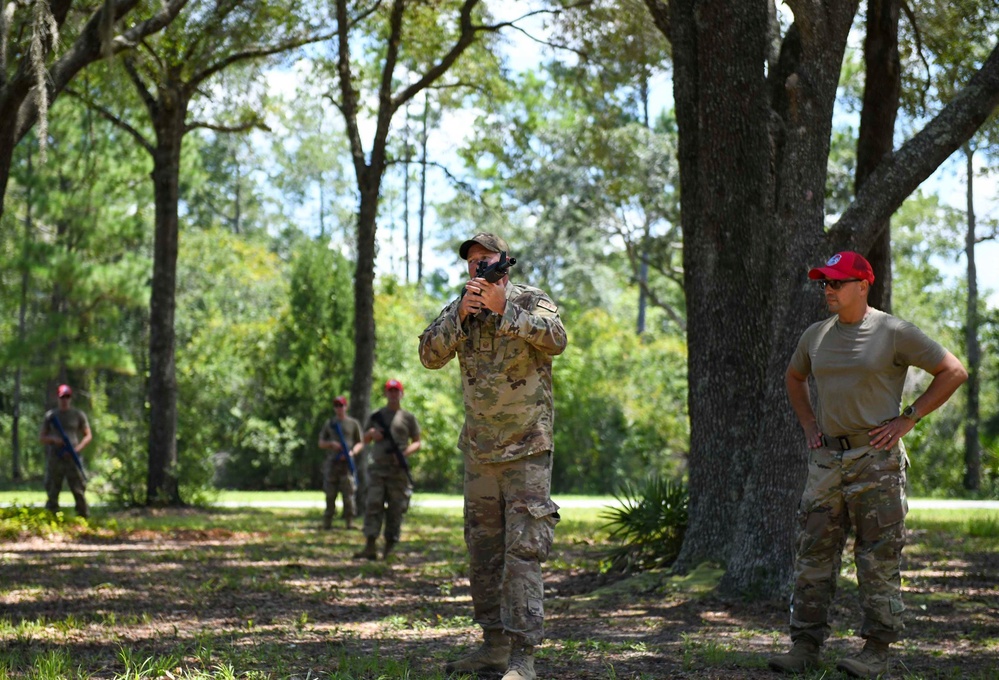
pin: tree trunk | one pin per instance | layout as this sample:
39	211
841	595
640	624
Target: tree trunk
972	450
753	169
7	143
882	85
718	88
16	473
423	188
162	486
364	295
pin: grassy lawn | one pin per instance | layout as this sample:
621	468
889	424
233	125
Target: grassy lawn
262	593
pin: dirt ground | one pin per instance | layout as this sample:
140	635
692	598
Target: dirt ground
296	604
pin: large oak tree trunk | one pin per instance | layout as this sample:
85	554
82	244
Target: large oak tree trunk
162	480
718	83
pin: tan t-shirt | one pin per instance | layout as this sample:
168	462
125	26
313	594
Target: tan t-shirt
351	433
860	368
74	424
404	429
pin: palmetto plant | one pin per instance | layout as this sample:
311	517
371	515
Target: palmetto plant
648	524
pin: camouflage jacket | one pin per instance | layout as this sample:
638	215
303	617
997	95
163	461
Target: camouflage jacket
506	372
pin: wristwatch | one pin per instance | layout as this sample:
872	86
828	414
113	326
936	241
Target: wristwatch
911	414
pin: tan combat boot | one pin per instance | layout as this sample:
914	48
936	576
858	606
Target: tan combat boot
871	662
492	655
370	551
521	664
804	656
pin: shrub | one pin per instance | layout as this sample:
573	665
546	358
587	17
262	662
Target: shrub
648	523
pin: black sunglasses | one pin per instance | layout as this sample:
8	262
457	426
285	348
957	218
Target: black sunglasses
835	284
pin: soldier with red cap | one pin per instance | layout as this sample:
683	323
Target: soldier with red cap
858	359
396	436
339	467
61	463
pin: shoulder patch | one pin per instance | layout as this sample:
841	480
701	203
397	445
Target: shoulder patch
549	305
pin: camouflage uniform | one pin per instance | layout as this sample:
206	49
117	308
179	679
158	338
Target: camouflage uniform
389	489
507	439
850	483
60	465
337	477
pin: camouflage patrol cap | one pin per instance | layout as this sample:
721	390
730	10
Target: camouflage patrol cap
489	241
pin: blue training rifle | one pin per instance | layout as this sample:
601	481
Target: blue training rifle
346	450
67	446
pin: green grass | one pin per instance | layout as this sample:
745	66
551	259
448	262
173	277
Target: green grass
261	593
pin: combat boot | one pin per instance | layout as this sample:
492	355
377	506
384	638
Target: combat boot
871	662
492	655
370	551
804	656
521	664
389	547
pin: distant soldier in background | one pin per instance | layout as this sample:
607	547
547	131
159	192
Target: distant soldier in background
396	436
339	466
65	433
504	335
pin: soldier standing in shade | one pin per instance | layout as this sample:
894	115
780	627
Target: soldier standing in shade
60	463
858	358
338	477
504	335
395	433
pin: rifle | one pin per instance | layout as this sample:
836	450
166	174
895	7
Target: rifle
346	451
376	418
493	272
67	446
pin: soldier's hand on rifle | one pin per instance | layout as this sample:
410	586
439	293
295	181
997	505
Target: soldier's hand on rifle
493	295
471	301
375	434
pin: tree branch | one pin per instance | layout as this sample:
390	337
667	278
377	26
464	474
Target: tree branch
147	97
254	53
242	127
919	49
88	48
898	175
660	16
348	105
111	118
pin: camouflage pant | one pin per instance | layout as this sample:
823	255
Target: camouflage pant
361	494
389	492
862	489
337	479
58	468
509	528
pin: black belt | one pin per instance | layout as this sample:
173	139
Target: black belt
846	443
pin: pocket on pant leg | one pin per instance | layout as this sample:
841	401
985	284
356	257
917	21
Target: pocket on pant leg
539	532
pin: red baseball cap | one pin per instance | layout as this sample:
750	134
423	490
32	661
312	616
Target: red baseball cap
844	265
64	391
393	384
340	401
